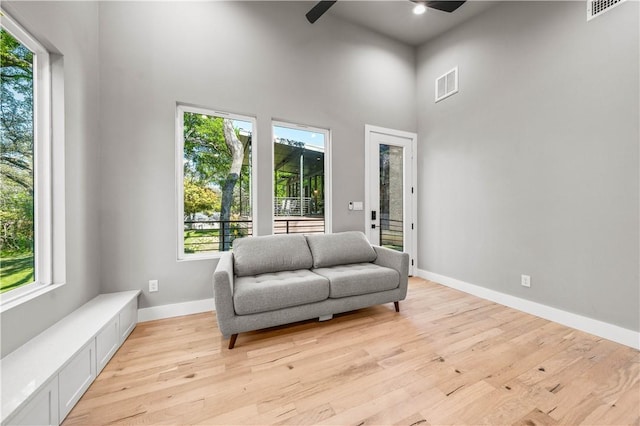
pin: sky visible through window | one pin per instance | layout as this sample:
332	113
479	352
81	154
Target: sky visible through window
299	135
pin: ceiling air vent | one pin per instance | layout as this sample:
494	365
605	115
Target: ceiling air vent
447	84
598	7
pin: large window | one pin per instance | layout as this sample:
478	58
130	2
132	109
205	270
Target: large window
215	180
301	201
27	180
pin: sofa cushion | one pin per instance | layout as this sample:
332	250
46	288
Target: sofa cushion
359	278
340	249
268	292
271	253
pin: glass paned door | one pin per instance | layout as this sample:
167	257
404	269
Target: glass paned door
390	208
391	224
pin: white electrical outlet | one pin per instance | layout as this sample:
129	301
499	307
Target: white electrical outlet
153	286
525	280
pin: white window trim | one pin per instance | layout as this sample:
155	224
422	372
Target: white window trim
328	204
181	108
49	229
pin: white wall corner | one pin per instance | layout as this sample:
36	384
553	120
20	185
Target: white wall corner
175	310
589	325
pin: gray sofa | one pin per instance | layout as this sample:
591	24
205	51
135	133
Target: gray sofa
279	279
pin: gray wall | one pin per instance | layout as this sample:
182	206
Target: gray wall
261	59
77	41
532	168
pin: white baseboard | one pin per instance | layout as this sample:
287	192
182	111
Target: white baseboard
589	325
175	310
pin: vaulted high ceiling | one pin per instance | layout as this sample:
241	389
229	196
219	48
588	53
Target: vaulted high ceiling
395	18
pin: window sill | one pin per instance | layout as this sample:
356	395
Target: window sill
12	302
211	256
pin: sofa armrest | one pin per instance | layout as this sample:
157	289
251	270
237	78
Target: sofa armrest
395	260
223	289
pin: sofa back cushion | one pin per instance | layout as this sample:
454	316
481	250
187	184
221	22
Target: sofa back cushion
340	249
271	253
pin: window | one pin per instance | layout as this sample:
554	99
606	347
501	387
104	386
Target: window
301	179
215	180
29	187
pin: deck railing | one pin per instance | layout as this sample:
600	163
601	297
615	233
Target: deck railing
293	206
391	233
298	226
212	235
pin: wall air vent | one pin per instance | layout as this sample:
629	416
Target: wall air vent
598	7
447	84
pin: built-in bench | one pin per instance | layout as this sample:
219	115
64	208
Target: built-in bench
43	379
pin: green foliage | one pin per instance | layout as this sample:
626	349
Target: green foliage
16	58
198	240
282	179
207	157
16	163
199	199
16	107
16	216
208	162
216	178
15	271
237	230
209	239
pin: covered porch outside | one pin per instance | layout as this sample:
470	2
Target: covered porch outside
298	202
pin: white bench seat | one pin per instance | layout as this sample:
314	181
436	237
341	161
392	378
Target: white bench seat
45	377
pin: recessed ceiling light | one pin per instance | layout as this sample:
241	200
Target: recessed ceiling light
419	9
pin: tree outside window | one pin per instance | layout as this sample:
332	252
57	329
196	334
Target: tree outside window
16	163
216	180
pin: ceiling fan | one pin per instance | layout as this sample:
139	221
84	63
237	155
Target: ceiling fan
322	6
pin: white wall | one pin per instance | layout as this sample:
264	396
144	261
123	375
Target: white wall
72	30
533	167
255	58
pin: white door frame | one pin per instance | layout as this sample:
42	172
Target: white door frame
412	211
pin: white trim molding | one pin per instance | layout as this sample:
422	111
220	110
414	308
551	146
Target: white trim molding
589	325
175	310
181	108
410	183
48	169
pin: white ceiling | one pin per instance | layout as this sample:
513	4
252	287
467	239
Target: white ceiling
395	19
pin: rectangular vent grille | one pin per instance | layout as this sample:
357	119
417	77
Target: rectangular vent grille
447	84
598	7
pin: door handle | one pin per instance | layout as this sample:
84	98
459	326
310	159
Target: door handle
373	215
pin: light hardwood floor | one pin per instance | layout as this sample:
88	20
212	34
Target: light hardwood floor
446	358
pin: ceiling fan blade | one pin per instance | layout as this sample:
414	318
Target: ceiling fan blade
445	6
318	10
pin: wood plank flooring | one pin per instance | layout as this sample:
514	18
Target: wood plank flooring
446	358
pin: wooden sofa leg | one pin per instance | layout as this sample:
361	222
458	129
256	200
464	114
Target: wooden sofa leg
232	340
397	305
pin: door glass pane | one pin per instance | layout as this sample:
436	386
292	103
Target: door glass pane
391	197
298	173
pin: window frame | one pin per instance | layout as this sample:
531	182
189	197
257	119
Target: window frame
181	108
328	204
48	144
